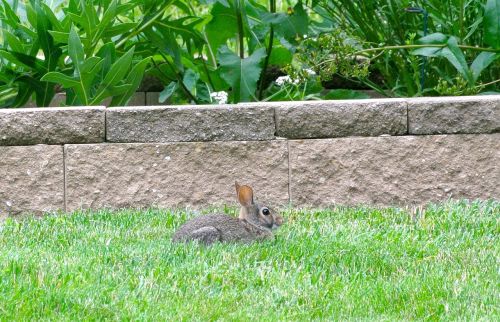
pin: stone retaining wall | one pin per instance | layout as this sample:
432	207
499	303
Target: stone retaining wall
379	152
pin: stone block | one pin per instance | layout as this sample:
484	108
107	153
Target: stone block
330	119
174	174
138	99
31	179
153	99
28	126
453	115
388	171
189	123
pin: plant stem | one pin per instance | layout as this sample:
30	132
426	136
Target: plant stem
210	51
272	9
239	18
487	84
208	73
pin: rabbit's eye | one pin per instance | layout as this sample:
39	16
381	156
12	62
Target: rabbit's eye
265	211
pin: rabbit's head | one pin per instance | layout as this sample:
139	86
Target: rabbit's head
256	214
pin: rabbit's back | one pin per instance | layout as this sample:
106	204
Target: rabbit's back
216	228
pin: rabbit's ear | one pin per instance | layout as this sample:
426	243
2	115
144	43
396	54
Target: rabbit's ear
245	195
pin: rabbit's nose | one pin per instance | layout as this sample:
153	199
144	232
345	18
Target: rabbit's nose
279	220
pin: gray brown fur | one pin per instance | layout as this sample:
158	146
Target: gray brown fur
254	223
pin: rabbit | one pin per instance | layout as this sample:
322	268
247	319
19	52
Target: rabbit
254	223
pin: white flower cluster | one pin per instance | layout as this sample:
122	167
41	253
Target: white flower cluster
219	97
310	72
280	81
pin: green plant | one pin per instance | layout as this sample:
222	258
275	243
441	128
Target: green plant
118	79
28	52
240	48
448	48
86	49
459	30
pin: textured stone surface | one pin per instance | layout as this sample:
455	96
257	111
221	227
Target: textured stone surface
31	179
174	174
27	126
329	119
394	170
436	115
189	123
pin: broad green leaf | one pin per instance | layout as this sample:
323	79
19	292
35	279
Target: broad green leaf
134	78
280	56
450	51
23	60
222	27
10	16
79	21
12	41
186	27
241	75
166	42
75	50
435	39
88	76
51	52
119	29
31	15
108	16
167	92
492	23
427	51
290	26
456	57
432	39
482	61
60	78
49	14
24	93
108	54
6	76
107	20
89	64
119	69
190	79
44	91
60	37
223	2
77	55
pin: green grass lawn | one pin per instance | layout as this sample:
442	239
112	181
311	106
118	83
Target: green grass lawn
343	263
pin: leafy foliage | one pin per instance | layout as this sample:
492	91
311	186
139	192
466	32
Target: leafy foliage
97	51
391	35
79	49
29	52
